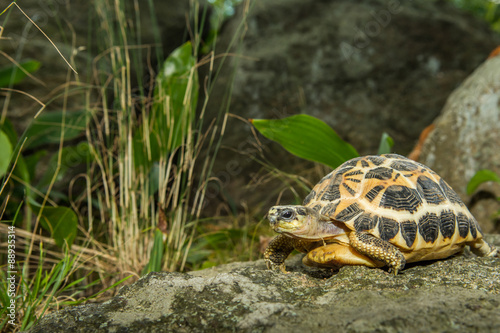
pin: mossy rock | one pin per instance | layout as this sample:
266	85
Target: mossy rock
457	294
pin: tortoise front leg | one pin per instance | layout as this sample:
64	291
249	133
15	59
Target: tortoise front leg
378	249
278	250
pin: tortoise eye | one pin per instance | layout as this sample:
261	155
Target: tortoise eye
287	214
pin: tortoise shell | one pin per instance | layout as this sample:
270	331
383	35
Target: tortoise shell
398	200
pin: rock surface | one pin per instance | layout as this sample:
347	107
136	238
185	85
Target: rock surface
460	294
467	137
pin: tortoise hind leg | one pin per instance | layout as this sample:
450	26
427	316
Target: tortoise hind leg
378	249
483	249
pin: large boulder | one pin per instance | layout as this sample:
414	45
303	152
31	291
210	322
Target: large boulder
460	294
364	67
466	138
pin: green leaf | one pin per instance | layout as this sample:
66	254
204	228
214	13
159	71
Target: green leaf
71	157
61	222
386	144
46	128
5	153
156	256
480	177
307	137
21	169
11	74
174	104
10	131
175	99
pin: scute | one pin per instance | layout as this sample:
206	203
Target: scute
430	190
354	173
401	198
472	227
343	170
450	194
365	221
373	193
352	163
331	193
409	231
329	209
428	226
349	212
397	157
377	160
403	166
349	189
388	228
447	225
381	173
317	207
463	225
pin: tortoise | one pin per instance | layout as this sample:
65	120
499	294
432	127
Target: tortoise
379	210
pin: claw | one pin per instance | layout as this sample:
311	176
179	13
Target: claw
272	266
398	267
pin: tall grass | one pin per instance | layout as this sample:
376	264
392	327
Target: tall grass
126	206
153	147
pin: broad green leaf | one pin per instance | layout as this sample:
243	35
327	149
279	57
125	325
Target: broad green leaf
307	137
175	98
61	222
172	114
386	144
5	153
11	74
480	177
47	127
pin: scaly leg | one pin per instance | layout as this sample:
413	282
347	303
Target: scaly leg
378	249
279	249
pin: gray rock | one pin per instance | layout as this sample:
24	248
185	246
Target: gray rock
454	295
467	137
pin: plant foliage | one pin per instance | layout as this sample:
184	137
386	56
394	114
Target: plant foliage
11	75
307	137
386	144
482	176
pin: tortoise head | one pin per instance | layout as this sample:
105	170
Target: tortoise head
301	222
